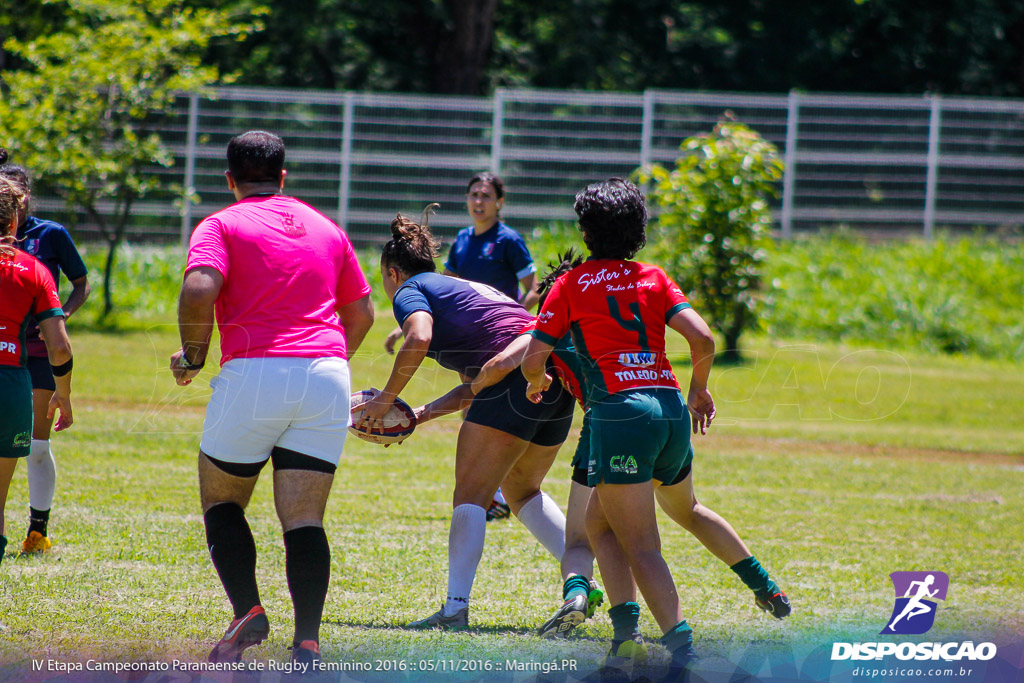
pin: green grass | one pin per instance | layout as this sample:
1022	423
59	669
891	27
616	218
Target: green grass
832	486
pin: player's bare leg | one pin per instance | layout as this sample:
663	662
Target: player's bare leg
629	509
483	458
578	557
581	596
707	526
718	536
536	510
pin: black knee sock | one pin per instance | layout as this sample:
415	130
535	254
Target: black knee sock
233	552
307	561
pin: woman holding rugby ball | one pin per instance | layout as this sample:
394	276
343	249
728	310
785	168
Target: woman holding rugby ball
505	439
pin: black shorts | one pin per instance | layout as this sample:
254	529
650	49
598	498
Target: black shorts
505	407
41	373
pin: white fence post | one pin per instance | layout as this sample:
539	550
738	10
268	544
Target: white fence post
647	129
789	174
190	169
497	130
346	161
932	179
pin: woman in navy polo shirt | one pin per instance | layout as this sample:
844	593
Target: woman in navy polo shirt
489	251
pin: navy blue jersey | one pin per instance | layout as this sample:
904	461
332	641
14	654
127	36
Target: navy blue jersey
52	246
498	258
472	321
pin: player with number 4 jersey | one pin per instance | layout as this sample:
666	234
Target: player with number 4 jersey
616	311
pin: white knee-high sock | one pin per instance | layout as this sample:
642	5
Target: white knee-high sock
465	547
42	475
546	522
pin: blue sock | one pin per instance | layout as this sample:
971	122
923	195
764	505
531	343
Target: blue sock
625	620
575	585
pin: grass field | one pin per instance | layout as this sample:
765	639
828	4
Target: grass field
837	465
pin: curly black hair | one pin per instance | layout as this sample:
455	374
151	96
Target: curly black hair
613	218
569	260
412	248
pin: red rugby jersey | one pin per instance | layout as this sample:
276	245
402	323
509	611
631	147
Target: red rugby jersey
28	293
616	312
567	366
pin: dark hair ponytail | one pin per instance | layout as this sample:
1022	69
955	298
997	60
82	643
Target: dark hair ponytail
412	248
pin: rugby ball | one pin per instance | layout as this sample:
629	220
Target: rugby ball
399	422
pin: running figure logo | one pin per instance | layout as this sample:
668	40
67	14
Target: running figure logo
916	595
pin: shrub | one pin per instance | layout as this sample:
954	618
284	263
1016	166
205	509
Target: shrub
713	223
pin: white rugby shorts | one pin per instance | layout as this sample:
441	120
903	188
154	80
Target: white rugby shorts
301	404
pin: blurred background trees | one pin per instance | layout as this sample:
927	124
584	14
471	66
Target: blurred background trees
967	47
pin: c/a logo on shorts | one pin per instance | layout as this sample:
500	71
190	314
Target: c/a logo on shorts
23	439
916	596
625	464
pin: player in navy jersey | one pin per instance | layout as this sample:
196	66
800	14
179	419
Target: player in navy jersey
50	243
492	253
505	439
616	311
28	294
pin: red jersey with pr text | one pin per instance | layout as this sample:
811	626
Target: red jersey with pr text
616	312
28	295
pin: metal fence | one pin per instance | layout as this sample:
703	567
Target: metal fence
884	164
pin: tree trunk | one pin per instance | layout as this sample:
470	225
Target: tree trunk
464	46
730	355
108	269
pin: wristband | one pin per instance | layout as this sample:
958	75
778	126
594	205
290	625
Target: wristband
184	363
63	368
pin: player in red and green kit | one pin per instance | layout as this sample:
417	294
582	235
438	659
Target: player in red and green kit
28	294
616	311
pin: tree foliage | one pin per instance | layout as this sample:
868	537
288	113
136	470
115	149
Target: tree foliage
713	223
82	115
967	47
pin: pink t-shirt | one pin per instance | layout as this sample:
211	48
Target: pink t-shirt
287	268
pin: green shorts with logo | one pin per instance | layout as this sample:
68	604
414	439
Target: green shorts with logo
639	435
16	407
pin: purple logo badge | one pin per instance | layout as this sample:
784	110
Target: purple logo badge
488	250
32	247
916	596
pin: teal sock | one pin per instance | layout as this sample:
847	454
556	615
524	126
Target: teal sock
575	585
625	620
754	576
679	639
3	547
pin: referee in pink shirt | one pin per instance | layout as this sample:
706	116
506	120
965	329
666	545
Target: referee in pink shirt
292	306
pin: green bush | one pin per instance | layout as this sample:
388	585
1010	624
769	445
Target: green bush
713	224
946	295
